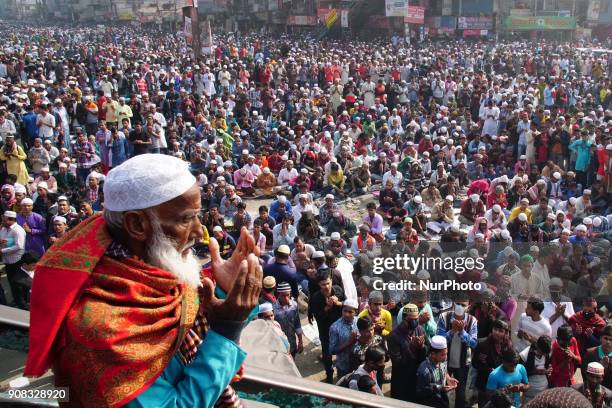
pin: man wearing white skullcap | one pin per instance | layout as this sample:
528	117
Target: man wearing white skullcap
128	280
592	387
34	225
59	229
583	205
301	207
471	209
13	244
433	382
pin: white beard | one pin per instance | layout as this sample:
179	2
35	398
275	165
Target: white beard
163	254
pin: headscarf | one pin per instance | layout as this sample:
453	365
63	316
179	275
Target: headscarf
8	204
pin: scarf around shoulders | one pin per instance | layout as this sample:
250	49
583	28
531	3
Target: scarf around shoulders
108	327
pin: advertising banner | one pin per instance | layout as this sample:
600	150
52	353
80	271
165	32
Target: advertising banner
475	23
395	8
344	21
540	23
593	10
415	15
302	20
187	31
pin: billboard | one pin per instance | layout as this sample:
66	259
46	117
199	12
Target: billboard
415	15
302	20
475	23
540	23
395	8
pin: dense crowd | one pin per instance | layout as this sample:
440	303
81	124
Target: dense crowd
497	151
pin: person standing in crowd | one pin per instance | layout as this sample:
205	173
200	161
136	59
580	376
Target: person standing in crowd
326	308
487	357
407	348
532	325
287	315
587	325
460	330
592	387
536	360
281	271
14	158
343	336
433	381
601	354
13	246
510	376
565	358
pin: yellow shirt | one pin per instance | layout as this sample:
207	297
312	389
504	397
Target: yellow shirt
385	316
337	179
517	210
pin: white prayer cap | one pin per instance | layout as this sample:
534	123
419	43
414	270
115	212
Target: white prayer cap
282	199
597	222
449	198
10	214
265	307
146	181
474	198
580	227
60	219
418	199
505	234
587	221
335	236
522	217
27	201
557	175
19	188
352	303
496	208
43	184
437	342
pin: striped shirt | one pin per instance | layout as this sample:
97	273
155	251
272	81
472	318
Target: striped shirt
15	238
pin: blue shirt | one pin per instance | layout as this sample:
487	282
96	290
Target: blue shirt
339	333
276	213
282	273
499	378
29	122
470	338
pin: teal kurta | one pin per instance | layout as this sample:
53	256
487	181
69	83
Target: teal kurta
198	384
583	153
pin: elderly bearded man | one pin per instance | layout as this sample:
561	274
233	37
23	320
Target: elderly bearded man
115	309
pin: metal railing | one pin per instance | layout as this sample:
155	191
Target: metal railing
270	379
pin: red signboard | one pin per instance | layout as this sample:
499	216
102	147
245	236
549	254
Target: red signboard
474	33
415	15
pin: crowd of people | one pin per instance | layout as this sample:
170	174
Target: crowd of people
498	151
